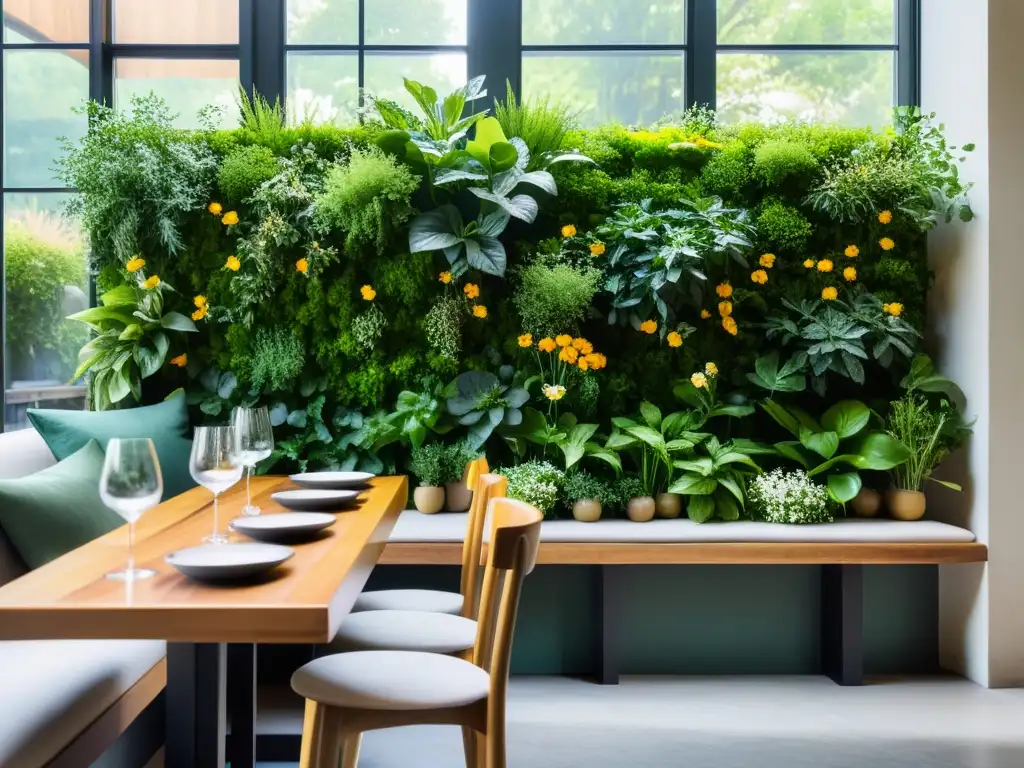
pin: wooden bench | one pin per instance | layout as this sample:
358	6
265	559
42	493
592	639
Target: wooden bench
842	549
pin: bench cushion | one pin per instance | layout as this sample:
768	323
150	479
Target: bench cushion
415	527
53	689
22	453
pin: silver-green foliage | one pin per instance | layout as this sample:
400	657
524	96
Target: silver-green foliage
443	326
555	299
278	356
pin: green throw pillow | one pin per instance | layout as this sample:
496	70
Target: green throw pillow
166	423
58	509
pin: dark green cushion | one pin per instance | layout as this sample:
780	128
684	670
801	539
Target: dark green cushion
58	509
166	423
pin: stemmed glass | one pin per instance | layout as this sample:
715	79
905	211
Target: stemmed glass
216	464
256	442
131	484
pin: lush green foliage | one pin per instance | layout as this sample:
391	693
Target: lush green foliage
583	485
554	299
244	171
536	482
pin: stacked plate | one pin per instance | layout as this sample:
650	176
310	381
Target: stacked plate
323	491
228	562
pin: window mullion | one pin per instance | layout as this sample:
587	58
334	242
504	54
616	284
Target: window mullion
266	47
908	54
495	43
701	53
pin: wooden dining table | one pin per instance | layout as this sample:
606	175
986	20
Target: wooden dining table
302	601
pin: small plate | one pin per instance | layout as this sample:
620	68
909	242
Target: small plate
287	526
331	480
307	500
227	562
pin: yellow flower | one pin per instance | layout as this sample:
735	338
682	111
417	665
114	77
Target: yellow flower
302	265
547	344
674	339
704	314
829	293
569	355
759	276
479	310
584	346
368	293
151	282
849	274
699	380
446	277
582	363
316	246
730	326
725	308
825	265
199	314
596	360
810	264
885	217
597	249
215	208
767	260
703	143
852	251
232	263
135	264
472	290
649	326
526	340
229	219
895	309
887	243
181	360
724	290
554	391
199	301
563	339
568	230
710	369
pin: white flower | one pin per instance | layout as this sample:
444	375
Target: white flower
554	391
789	497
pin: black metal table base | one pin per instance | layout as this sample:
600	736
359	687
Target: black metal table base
842	623
606	651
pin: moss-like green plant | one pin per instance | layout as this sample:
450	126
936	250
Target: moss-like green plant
538	483
277	359
583	485
443	326
727	173
368	327
244	170
782	227
553	300
777	162
368	198
429	464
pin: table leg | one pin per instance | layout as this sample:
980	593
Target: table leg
607	595
842	623
241	704
196	715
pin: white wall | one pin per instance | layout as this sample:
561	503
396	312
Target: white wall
972	76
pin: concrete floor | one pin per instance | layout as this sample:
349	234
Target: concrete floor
731	722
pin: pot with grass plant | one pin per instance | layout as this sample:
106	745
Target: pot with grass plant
587	494
428	465
930	430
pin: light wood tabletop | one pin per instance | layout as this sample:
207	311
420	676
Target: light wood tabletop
302	601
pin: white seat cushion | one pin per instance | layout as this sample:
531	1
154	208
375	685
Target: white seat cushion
405	631
391	680
52	690
23	452
430	600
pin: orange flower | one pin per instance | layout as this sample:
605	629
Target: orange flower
199	314
526	340
885	217
229	219
367	293
725	308
829	293
674	339
596	249
809	263
568	230
596	360
547	344
849	274
649	326
887	243
151	282
199	301
767	260
583	364
135	264
895	309
446	277
825	265
181	360
215	208
232	263
704	314
759	276
569	355
730	326
724	290
563	339
472	290
852	251
584	346
302	265
479	310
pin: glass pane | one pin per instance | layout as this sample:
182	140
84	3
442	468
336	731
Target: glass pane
634	88
597	22
40	88
416	22
444	72
46	280
852	87
187	85
42	21
323	87
182	21
765	22
323	21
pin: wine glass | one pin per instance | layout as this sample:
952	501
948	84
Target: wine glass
131	484
216	464
256	442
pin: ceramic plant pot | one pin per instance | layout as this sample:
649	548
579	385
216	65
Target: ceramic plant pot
866	503
457	496
428	498
587	510
905	505
668	505
640	509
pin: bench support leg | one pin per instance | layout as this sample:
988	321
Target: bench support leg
241	704
842	623
606	588
196	718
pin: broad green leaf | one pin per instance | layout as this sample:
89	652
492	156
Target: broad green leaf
651	414
678	445
503	156
673	425
726	506
700	509
540	179
650	436
794	451
702	465
825	444
486	254
131	333
97	315
434	230
619	440
122	296
873	451
731	485
581	433
694	485
752	448
488	133
782	416
846	418
736	411
573	453
522	207
602	454
493	224
175	321
148	359
452	175
118	386
735	457
844	487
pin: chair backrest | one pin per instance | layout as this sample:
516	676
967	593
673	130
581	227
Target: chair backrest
512	554
486	487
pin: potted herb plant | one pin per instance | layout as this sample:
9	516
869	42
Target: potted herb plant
635	499
586	493
458	496
428	464
538	483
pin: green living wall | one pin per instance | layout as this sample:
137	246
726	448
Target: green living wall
611	312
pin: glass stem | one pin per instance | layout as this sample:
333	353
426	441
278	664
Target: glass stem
216	528
131	548
248	488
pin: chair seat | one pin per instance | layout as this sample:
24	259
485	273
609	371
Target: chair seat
429	600
391	680
405	631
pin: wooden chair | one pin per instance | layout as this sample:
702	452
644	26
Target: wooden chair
350	693
462	603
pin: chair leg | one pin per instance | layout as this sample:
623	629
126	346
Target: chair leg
350	750
469	746
494	746
331	740
312	731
